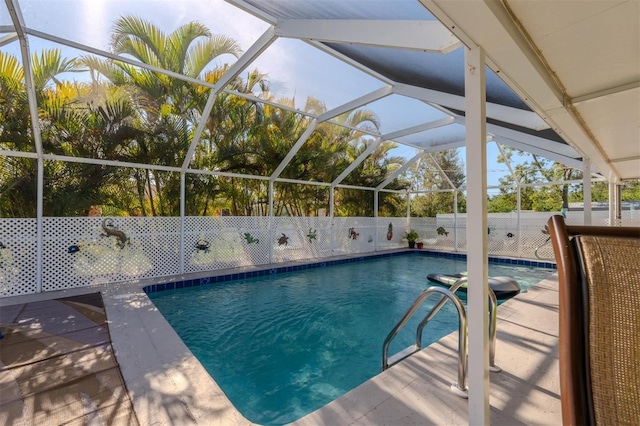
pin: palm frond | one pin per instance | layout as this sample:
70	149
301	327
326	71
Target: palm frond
10	68
178	44
48	64
205	51
130	33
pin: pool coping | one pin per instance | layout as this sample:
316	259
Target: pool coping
165	380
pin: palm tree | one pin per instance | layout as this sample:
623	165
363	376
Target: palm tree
167	107
74	121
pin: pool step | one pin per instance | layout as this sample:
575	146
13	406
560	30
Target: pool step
405	353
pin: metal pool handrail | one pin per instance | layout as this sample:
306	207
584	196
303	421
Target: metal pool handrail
493	321
459	388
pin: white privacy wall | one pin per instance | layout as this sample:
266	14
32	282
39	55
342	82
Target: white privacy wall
155	247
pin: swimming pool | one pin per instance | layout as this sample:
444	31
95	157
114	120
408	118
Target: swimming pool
283	345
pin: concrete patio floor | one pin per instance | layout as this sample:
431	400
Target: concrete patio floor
168	386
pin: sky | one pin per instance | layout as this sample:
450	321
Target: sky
295	69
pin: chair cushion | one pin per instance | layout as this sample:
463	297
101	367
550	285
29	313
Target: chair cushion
611	268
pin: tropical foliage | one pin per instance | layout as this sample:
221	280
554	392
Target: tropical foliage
530	175
140	116
437	173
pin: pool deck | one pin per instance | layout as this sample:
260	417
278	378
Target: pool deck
169	386
416	391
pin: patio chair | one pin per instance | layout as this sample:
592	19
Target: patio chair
599	322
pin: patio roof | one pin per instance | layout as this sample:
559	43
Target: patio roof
563	80
563	74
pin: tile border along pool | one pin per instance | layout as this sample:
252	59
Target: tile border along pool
270	269
168	385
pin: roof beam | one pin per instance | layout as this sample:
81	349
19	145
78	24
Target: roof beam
506	161
356	103
400	170
113	163
424	36
435	163
8	38
390	136
18	21
243	5
294	150
303	182
444	146
559	148
123	59
520	117
284	107
265	40
419	128
606	92
21	154
568	161
372	146
363	188
621	160
347	60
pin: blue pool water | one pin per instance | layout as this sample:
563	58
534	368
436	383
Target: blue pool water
281	346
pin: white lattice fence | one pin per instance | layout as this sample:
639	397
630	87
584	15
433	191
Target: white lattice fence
77	253
502	236
18	256
531	238
225	242
354	235
450	237
296	238
399	225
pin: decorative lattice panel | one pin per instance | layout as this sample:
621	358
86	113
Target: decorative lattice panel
18	261
296	238
532	238
630	218
450	236
77	252
399	226
502	239
354	235
225	242
426	228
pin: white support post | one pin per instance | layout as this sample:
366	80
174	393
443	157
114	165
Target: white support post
586	191
455	220
332	196
408	205
407	223
18	22
376	203
271	221
612	202
618	209
477	253
182	214
519	231
39	225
